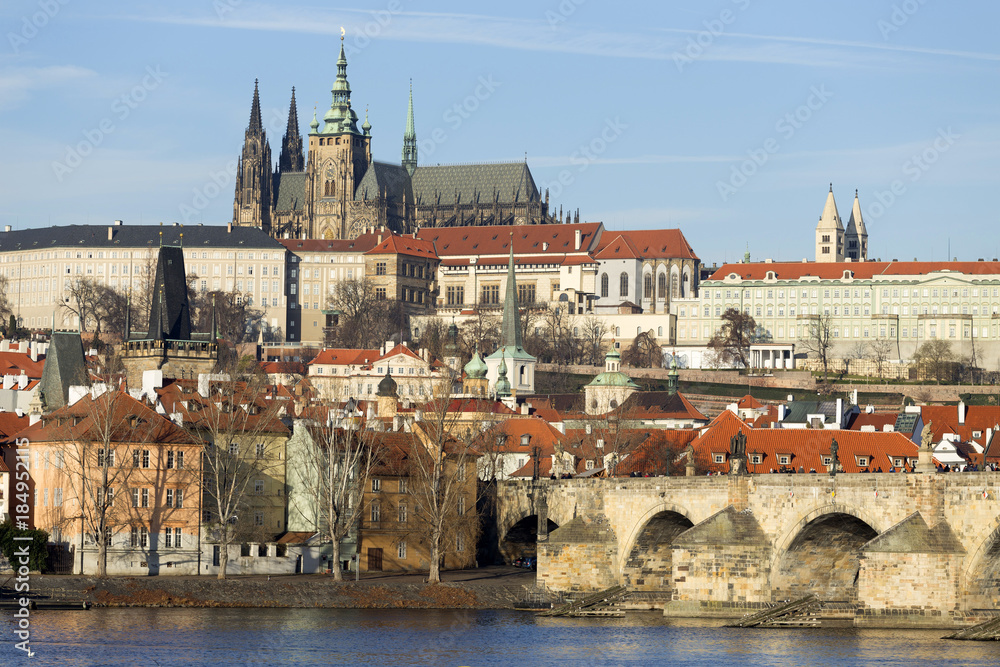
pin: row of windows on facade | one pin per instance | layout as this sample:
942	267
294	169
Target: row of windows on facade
647	284
375	511
869	332
140	497
847	293
401	549
847	311
786	459
380	370
140	458
409	295
139	538
405	269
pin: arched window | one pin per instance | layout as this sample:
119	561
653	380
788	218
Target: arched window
686	284
329	189
604	285
675	287
647	286
661	286
623	286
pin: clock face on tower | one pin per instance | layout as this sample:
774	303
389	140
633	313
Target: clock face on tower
330	171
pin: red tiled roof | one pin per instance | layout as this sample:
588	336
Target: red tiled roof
10	424
944	419
404	245
860	270
748	402
877	419
495	240
542	435
807	447
12	363
399	349
345	357
646	244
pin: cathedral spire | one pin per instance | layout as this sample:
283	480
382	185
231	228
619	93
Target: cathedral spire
291	158
255	123
410	138
510	332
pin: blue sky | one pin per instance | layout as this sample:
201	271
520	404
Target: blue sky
726	118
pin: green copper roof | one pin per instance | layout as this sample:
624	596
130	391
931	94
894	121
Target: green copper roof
341	118
613	379
503	384
476	368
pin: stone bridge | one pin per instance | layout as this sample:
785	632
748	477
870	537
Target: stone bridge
903	549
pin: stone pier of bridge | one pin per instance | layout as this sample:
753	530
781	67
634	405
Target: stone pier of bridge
902	549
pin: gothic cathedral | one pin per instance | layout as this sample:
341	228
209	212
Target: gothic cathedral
338	190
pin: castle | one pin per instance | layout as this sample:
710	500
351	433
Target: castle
338	190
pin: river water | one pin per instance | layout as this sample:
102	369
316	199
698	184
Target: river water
476	638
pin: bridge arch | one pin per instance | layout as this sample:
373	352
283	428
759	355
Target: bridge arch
646	561
821	553
981	579
520	539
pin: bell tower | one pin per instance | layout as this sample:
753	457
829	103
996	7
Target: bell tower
338	157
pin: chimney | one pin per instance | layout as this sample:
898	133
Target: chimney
577	239
961	412
840	413
33	351
118	223
781	413
6	228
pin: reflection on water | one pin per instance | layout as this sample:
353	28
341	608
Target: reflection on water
401	637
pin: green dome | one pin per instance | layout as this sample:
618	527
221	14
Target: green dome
476	368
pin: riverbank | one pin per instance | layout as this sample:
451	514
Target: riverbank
483	588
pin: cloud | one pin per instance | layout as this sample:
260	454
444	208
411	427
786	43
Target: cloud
538	35
17	83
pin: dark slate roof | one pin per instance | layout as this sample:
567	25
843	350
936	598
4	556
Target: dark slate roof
64	367
797	411
136	236
512	181
291	189
170	314
384	180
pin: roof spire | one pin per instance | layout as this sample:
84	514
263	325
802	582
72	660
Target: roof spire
410	138
341	118
291	157
255	122
510	333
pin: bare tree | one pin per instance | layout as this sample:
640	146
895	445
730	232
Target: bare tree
335	465
365	317
817	340
97	434
644	352
592	340
935	358
482	329
4	298
855	352
243	438
878	352
442	485
732	340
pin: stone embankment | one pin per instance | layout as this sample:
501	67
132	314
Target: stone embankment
486	588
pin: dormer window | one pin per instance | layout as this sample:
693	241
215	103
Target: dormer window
719	458
863	461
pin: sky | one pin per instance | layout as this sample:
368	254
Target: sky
728	119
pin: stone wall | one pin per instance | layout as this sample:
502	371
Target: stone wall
911	582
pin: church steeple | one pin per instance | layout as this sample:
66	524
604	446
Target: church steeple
255	125
341	117
830	232
252	201
856	236
410	139
510	332
291	158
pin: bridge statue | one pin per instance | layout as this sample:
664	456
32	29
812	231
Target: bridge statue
925	457
834	458
927	436
738	454
689	461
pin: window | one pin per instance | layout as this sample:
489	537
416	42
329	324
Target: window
784	459
647	286
376	485
402	486
170	459
105	457
178	500
134	541
145	498
526	293
756	459
490	294
258	486
168	534
380	293
260	450
177	538
136	454
170	497
459	543
402	550
455	295
623	284
379	268
258	518
401	513
145	458
376	513
143	537
461	506
863	461
718	458
135	497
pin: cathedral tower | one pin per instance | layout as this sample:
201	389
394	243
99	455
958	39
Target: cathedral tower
410	139
856	237
252	204
830	233
291	158
339	155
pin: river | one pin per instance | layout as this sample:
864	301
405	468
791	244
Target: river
142	636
